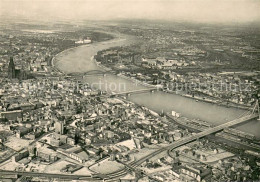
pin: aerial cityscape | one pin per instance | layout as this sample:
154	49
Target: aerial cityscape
129	91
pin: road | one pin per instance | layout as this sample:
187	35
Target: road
9	157
116	175
49	175
182	142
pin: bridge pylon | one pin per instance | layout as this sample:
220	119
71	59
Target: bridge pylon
256	109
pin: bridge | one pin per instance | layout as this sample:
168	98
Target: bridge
90	73
134	92
137	172
134	164
241	119
249	116
4	173
97	72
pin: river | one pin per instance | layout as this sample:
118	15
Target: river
80	59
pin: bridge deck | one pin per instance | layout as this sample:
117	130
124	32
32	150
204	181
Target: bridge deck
135	91
213	130
189	139
49	175
133	164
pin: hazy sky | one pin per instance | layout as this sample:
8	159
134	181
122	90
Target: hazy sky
188	10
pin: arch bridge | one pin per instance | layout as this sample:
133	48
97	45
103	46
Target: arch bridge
96	72
90	73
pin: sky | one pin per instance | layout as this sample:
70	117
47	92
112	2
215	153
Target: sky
219	11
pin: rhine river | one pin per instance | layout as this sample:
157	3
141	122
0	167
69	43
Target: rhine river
80	59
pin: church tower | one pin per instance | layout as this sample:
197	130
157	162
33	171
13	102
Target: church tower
11	68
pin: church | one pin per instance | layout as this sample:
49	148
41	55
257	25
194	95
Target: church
15	73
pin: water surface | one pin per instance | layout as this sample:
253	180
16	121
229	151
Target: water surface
80	59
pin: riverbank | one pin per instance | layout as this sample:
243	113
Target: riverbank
196	126
57	65
54	58
205	98
202	99
196	98
137	81
80	59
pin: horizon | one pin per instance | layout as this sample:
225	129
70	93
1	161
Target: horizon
196	11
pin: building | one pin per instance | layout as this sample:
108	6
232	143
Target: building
63	138
59	127
55	142
47	154
71	141
11	115
189	173
20	155
32	150
75	153
14	72
11	69
78	157
138	143
21	131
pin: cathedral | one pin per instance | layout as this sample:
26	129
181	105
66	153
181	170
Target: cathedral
11	69
15	73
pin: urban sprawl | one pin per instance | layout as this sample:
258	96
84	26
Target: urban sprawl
53	123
